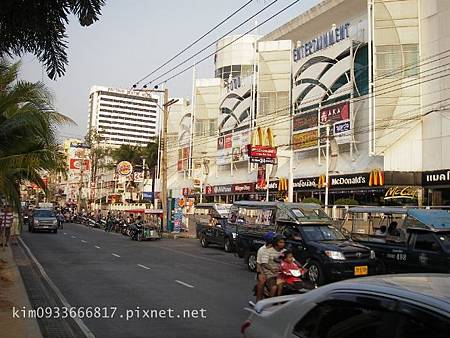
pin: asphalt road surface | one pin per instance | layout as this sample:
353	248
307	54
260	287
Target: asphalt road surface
92	268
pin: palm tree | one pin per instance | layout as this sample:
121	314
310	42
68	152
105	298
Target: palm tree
28	142
39	27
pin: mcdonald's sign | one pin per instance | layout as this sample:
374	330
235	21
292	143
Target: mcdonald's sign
376	178
322	183
262	147
283	184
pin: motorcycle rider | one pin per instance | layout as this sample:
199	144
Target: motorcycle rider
262	254
270	263
290	271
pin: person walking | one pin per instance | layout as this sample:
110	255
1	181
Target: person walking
6	219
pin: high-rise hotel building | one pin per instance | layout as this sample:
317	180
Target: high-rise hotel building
122	116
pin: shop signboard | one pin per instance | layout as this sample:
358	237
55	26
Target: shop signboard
342	132
243	187
436	177
402	192
261	182
223	189
232	147
76	163
335	113
305	183
124	168
305	140
306	120
350	181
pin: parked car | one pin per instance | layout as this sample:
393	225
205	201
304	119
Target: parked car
205	212
43	219
309	234
394	306
212	227
404	240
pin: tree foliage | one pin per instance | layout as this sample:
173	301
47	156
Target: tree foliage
28	125
39	27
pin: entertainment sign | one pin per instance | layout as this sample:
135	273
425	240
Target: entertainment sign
324	40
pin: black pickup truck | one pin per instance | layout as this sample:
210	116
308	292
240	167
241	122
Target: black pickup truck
309	233
404	240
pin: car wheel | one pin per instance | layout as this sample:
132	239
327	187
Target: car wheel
55	231
250	261
315	273
139	237
380	267
228	246
30	229
203	241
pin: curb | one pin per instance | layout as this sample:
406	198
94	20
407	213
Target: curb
177	235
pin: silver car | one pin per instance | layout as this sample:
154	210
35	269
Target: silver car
403	306
43	219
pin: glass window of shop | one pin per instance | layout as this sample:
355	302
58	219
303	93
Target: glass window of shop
274	103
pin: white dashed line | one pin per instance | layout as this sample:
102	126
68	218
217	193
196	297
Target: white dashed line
96	246
183	283
143	266
83	241
73	236
65	233
115	255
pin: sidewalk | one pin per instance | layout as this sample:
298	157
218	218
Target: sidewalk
13	294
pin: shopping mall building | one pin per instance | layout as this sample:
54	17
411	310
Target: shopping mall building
360	85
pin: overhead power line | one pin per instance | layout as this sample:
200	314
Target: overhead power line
219	49
196	41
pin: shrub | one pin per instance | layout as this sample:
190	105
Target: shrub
346	201
311	200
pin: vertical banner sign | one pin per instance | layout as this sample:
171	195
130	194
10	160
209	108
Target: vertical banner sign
261	177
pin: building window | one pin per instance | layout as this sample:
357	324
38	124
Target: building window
397	60
205	127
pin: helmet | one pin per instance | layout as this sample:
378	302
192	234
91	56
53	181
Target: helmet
268	236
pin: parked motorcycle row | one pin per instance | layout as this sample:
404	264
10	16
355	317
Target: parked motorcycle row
136	229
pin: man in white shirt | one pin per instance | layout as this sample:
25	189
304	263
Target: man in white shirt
262	256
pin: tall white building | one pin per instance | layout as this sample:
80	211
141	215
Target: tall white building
122	116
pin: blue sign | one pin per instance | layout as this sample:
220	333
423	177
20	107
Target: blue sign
147	195
341	127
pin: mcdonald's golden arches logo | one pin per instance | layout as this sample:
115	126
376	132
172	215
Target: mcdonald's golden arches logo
322	182
376	178
283	184
263	137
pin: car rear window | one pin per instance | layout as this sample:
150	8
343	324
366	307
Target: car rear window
44	213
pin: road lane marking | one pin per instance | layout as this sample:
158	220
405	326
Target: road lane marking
65	233
96	246
115	255
83	241
143	266
52	285
183	283
73	236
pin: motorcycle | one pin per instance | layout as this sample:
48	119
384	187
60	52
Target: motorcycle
299	287
136	233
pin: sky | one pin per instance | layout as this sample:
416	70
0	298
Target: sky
133	37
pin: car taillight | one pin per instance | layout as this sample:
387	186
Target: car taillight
245	325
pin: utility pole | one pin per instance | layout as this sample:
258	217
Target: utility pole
165	108
327	172
164	158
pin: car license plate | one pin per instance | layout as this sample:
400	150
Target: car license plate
361	270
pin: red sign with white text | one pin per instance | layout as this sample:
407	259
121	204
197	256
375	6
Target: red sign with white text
75	163
262	151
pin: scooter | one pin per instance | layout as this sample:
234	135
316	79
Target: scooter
136	232
300	287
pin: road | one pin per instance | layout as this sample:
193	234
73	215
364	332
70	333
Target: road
98	269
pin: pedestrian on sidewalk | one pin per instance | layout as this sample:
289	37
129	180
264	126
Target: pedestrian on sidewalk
6	217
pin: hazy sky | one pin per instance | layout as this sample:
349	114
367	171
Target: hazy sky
133	37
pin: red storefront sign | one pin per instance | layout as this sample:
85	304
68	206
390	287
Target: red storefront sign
75	163
228	141
335	113
261	151
243	187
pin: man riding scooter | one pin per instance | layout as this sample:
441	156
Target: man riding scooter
262	254
270	264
